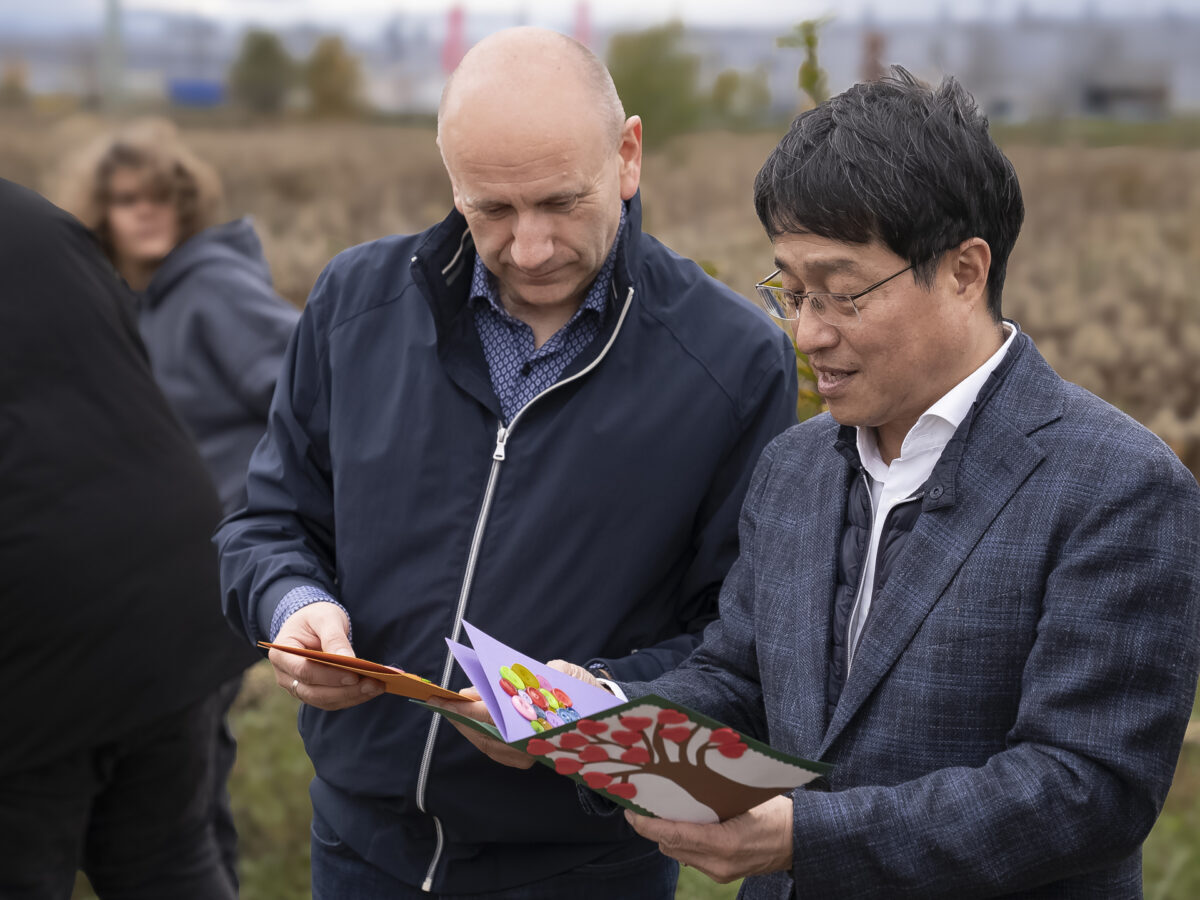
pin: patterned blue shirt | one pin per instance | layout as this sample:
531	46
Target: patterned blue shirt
519	370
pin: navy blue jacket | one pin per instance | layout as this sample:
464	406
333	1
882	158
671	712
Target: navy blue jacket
599	524
216	333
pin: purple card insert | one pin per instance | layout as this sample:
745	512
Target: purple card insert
467	658
527	705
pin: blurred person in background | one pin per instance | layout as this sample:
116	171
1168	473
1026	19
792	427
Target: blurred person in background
213	326
114	644
532	415
215	329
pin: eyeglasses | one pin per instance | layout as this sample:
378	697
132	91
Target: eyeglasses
832	309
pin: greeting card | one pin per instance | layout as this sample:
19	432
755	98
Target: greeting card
650	755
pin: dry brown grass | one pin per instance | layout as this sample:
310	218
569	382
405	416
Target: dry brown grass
1104	276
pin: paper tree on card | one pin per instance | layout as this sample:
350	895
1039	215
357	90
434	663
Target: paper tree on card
670	762
648	754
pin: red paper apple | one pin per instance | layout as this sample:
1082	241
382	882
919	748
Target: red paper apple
672	717
676	734
724	736
592	727
539	747
626	738
572	741
733	751
636	723
597	780
636	756
624	790
593	753
567	766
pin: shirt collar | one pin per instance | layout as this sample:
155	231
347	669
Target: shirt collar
935	427
484	288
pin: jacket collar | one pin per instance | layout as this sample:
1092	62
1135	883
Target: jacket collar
441	269
443	264
233	245
1026	413
990	457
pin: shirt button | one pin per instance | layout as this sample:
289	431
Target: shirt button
935	491
526	369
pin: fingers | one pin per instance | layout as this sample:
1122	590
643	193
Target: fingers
472	710
322	686
498	751
575	671
756	842
690	845
319	626
332	630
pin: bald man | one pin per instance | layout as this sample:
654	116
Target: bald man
532	415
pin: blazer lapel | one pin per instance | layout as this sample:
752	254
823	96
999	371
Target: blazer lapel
972	484
820	499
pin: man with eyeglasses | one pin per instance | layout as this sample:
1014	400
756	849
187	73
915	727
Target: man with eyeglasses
532	416
973	587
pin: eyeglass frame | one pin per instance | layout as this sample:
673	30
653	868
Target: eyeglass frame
766	291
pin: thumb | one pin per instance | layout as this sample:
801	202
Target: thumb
575	671
332	632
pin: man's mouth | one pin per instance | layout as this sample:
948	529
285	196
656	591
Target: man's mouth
830	381
541	276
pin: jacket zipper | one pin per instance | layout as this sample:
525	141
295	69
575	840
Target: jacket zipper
851	645
503	433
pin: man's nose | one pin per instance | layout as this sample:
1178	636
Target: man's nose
812	333
533	242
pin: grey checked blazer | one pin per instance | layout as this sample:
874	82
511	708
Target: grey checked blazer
1018	700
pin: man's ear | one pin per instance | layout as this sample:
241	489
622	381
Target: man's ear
969	265
449	175
630	151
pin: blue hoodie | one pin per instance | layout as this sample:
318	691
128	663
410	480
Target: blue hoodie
599	523
216	333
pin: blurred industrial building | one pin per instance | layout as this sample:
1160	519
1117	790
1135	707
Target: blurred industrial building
1022	67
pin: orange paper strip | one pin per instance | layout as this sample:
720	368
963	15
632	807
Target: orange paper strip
395	681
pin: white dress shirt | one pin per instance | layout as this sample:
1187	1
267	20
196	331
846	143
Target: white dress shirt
893	484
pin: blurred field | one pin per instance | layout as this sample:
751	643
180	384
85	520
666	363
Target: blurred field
1104	278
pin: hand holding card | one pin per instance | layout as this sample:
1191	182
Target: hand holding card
395	681
648	754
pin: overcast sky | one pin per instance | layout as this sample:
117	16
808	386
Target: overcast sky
697	11
362	16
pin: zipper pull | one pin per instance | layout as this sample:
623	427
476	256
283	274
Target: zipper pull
501	437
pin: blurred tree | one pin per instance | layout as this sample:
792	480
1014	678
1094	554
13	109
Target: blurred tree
263	73
811	78
740	99
656	79
14	90
724	93
333	78
756	95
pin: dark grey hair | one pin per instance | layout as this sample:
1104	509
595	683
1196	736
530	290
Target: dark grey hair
897	161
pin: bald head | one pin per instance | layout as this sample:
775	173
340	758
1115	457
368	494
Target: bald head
522	74
540	159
